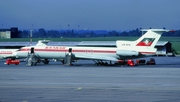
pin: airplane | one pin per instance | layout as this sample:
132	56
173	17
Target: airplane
142	47
8	53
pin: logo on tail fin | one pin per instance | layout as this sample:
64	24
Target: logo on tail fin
146	42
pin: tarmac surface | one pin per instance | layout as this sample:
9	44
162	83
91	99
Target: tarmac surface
86	82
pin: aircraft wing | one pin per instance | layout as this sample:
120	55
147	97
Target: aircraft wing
5	57
96	57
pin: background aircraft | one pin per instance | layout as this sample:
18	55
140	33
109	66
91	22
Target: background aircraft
144	46
8	53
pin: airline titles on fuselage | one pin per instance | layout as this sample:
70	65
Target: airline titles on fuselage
6	52
56	47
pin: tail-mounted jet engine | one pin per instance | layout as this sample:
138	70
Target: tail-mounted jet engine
127	53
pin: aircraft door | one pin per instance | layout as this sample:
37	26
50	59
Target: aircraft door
32	50
69	57
70	50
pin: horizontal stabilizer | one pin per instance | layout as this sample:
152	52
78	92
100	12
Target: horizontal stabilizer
156	30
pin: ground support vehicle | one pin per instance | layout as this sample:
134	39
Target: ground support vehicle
12	61
126	62
130	63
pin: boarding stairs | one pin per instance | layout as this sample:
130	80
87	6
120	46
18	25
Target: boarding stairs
31	60
69	58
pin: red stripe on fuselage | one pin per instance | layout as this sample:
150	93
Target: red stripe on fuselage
83	51
5	52
74	50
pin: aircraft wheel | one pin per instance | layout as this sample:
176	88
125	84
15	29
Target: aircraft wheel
97	64
35	64
46	61
63	62
106	63
32	63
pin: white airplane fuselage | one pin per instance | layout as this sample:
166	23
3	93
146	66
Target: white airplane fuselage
59	52
9	53
6	53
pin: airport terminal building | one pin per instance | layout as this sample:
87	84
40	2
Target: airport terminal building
9	33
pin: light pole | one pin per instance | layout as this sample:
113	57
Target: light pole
2	27
68	26
141	31
78	27
31	35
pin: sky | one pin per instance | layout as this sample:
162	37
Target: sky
90	14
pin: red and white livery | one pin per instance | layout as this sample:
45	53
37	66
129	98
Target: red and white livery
144	46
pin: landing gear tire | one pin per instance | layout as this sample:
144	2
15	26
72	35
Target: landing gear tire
46	61
105	63
32	63
102	64
63	62
35	64
97	64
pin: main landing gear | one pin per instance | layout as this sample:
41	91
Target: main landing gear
100	62
46	61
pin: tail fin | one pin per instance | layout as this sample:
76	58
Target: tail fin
145	44
150	38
